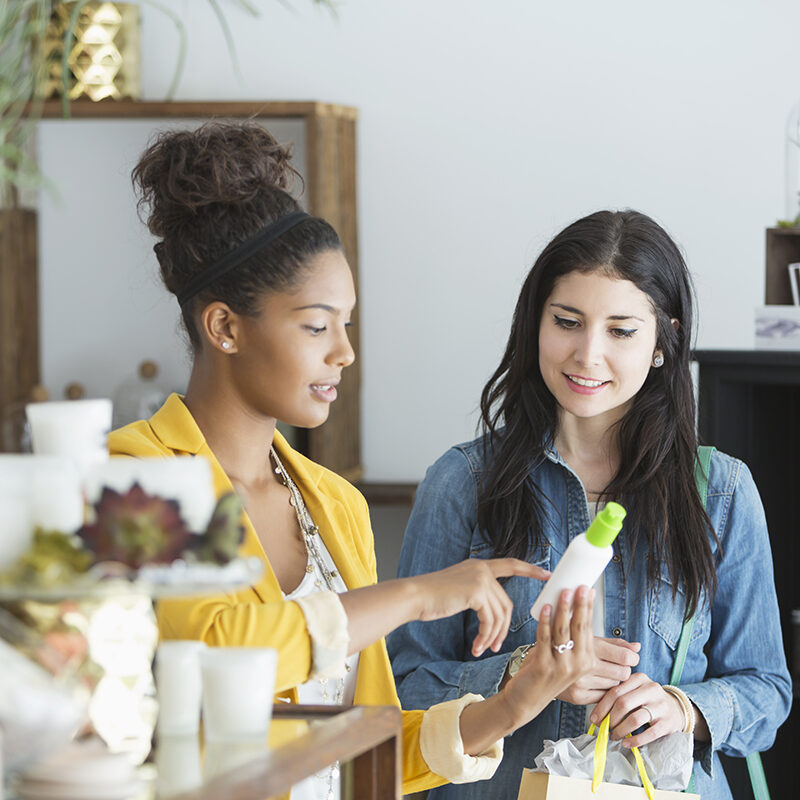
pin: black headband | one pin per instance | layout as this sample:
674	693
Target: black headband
240	254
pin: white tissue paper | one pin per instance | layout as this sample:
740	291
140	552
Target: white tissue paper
668	760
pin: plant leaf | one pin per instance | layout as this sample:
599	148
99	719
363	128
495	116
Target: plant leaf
181	60
226	32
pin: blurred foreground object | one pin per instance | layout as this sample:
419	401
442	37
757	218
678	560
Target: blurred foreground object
41	704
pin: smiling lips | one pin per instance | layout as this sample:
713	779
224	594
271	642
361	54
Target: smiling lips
584	385
324	391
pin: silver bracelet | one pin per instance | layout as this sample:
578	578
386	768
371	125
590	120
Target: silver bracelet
689	718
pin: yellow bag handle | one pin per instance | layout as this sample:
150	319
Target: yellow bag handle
600	750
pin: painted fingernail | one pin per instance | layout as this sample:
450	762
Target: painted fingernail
545	612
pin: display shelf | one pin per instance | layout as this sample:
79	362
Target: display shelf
365	740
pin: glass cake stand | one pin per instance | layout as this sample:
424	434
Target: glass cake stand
100	633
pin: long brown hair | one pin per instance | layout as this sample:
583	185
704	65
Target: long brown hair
657	439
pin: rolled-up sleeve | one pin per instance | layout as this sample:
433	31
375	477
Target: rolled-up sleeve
326	621
443	748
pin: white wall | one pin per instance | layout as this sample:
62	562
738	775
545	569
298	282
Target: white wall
485	127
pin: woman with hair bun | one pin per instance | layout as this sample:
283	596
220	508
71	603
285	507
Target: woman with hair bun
593	402
266	297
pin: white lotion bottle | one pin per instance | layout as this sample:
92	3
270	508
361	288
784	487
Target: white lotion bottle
584	559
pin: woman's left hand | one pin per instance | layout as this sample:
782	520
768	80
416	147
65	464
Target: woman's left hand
635	702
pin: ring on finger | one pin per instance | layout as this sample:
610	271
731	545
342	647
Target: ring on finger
650	713
562	648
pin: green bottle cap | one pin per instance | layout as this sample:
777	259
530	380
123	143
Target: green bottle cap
606	525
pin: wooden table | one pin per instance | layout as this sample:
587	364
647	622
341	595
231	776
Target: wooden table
364	739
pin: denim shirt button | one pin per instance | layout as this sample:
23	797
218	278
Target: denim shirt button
617	631
615	558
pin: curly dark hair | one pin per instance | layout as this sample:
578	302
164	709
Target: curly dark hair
205	191
657	439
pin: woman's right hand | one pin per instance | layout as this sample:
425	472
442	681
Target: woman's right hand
473	584
547	670
613	661
374	611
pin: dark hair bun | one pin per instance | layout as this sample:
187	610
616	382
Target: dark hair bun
205	191
225	163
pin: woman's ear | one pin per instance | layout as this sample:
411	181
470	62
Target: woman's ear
675	323
218	327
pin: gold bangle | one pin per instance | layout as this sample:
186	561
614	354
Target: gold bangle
689	719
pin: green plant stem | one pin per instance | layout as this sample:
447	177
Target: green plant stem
226	32
69	38
181	60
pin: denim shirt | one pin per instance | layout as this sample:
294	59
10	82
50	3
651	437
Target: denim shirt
735	670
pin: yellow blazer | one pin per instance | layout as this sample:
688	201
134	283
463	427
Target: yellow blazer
259	616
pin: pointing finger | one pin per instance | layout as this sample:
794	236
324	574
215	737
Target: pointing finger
506	567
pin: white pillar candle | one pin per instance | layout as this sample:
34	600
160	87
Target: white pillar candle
185	479
16	527
57	497
53	493
76	429
179	687
238	689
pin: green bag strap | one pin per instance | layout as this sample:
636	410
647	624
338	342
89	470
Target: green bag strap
758	780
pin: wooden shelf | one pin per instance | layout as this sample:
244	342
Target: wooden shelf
366	740
146	109
783	248
388	494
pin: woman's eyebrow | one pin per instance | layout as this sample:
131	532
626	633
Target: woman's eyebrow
322	306
567	308
615	317
624	317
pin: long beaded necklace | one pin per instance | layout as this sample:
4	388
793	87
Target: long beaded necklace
309	533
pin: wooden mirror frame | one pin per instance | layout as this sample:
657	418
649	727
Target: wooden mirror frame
330	186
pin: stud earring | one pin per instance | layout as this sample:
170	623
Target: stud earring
658	361
226	345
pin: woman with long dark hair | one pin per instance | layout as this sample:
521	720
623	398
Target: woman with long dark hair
593	402
266	297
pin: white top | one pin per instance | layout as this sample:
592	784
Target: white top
317	692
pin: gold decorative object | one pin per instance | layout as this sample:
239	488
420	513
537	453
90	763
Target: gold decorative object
103	57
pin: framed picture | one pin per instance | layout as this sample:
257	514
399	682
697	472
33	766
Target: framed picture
794	281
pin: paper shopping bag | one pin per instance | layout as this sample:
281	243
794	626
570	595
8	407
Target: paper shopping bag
545	786
541	786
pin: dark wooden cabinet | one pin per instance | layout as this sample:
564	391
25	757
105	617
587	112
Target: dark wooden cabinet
749	407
